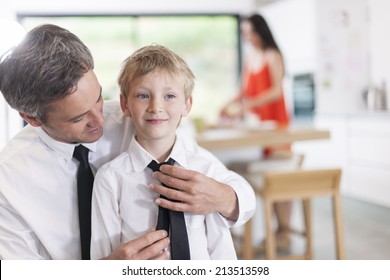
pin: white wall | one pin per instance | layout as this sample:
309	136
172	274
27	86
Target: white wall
380	42
331	38
343	55
10	34
293	25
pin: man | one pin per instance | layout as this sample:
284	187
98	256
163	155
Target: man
48	78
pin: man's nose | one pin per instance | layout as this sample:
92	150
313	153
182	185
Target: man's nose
97	118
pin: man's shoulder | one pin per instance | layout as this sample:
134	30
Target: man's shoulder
112	110
20	144
114	117
111	106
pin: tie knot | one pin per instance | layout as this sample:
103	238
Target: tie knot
156	166
81	154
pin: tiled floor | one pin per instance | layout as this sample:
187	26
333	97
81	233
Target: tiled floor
366	230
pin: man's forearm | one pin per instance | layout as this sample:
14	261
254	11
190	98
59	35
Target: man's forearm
229	207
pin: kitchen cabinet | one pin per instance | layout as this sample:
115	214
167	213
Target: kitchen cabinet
360	145
368	154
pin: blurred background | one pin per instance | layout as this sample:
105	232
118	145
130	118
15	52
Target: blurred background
336	53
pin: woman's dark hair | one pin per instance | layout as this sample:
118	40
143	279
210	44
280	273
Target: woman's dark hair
261	27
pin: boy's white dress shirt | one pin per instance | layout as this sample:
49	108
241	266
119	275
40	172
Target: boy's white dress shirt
124	207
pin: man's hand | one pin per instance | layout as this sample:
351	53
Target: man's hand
151	246
196	193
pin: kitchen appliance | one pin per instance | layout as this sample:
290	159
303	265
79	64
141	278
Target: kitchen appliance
376	97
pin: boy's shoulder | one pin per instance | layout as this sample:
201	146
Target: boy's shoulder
195	157
198	162
117	164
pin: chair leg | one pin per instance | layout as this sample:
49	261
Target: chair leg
308	228
248	245
337	213
270	244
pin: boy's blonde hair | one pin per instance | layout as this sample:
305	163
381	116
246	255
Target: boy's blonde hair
154	58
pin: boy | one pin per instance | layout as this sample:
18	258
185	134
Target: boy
156	87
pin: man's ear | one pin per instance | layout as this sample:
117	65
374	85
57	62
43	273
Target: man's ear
187	107
31	120
125	108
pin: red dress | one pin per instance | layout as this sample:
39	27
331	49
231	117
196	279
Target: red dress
257	84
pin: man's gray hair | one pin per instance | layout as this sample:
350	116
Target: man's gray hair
45	67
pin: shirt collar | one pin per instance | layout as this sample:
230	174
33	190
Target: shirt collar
140	158
64	149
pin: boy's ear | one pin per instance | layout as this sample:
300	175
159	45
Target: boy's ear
31	120
187	107
125	108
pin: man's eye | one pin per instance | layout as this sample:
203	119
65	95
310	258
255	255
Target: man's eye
78	120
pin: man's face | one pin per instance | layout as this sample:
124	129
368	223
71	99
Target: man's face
78	117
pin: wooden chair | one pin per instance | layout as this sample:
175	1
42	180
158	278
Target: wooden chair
282	160
278	186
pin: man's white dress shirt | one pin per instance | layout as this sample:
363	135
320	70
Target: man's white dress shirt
124	208
38	190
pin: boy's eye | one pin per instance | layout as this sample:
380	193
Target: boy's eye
170	96
142	96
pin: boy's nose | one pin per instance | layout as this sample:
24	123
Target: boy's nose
155	105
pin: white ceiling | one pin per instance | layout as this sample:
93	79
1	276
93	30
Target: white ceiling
133	6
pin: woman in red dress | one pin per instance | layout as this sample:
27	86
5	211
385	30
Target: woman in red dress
262	95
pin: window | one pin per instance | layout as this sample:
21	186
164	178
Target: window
208	43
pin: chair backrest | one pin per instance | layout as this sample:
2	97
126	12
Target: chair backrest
301	183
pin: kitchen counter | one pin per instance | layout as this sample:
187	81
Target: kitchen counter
233	138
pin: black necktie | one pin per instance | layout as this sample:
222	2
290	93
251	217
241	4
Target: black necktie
84	191
173	222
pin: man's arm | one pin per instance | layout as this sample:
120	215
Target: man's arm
233	198
229	194
17	241
198	193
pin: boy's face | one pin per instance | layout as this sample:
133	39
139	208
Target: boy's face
156	103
